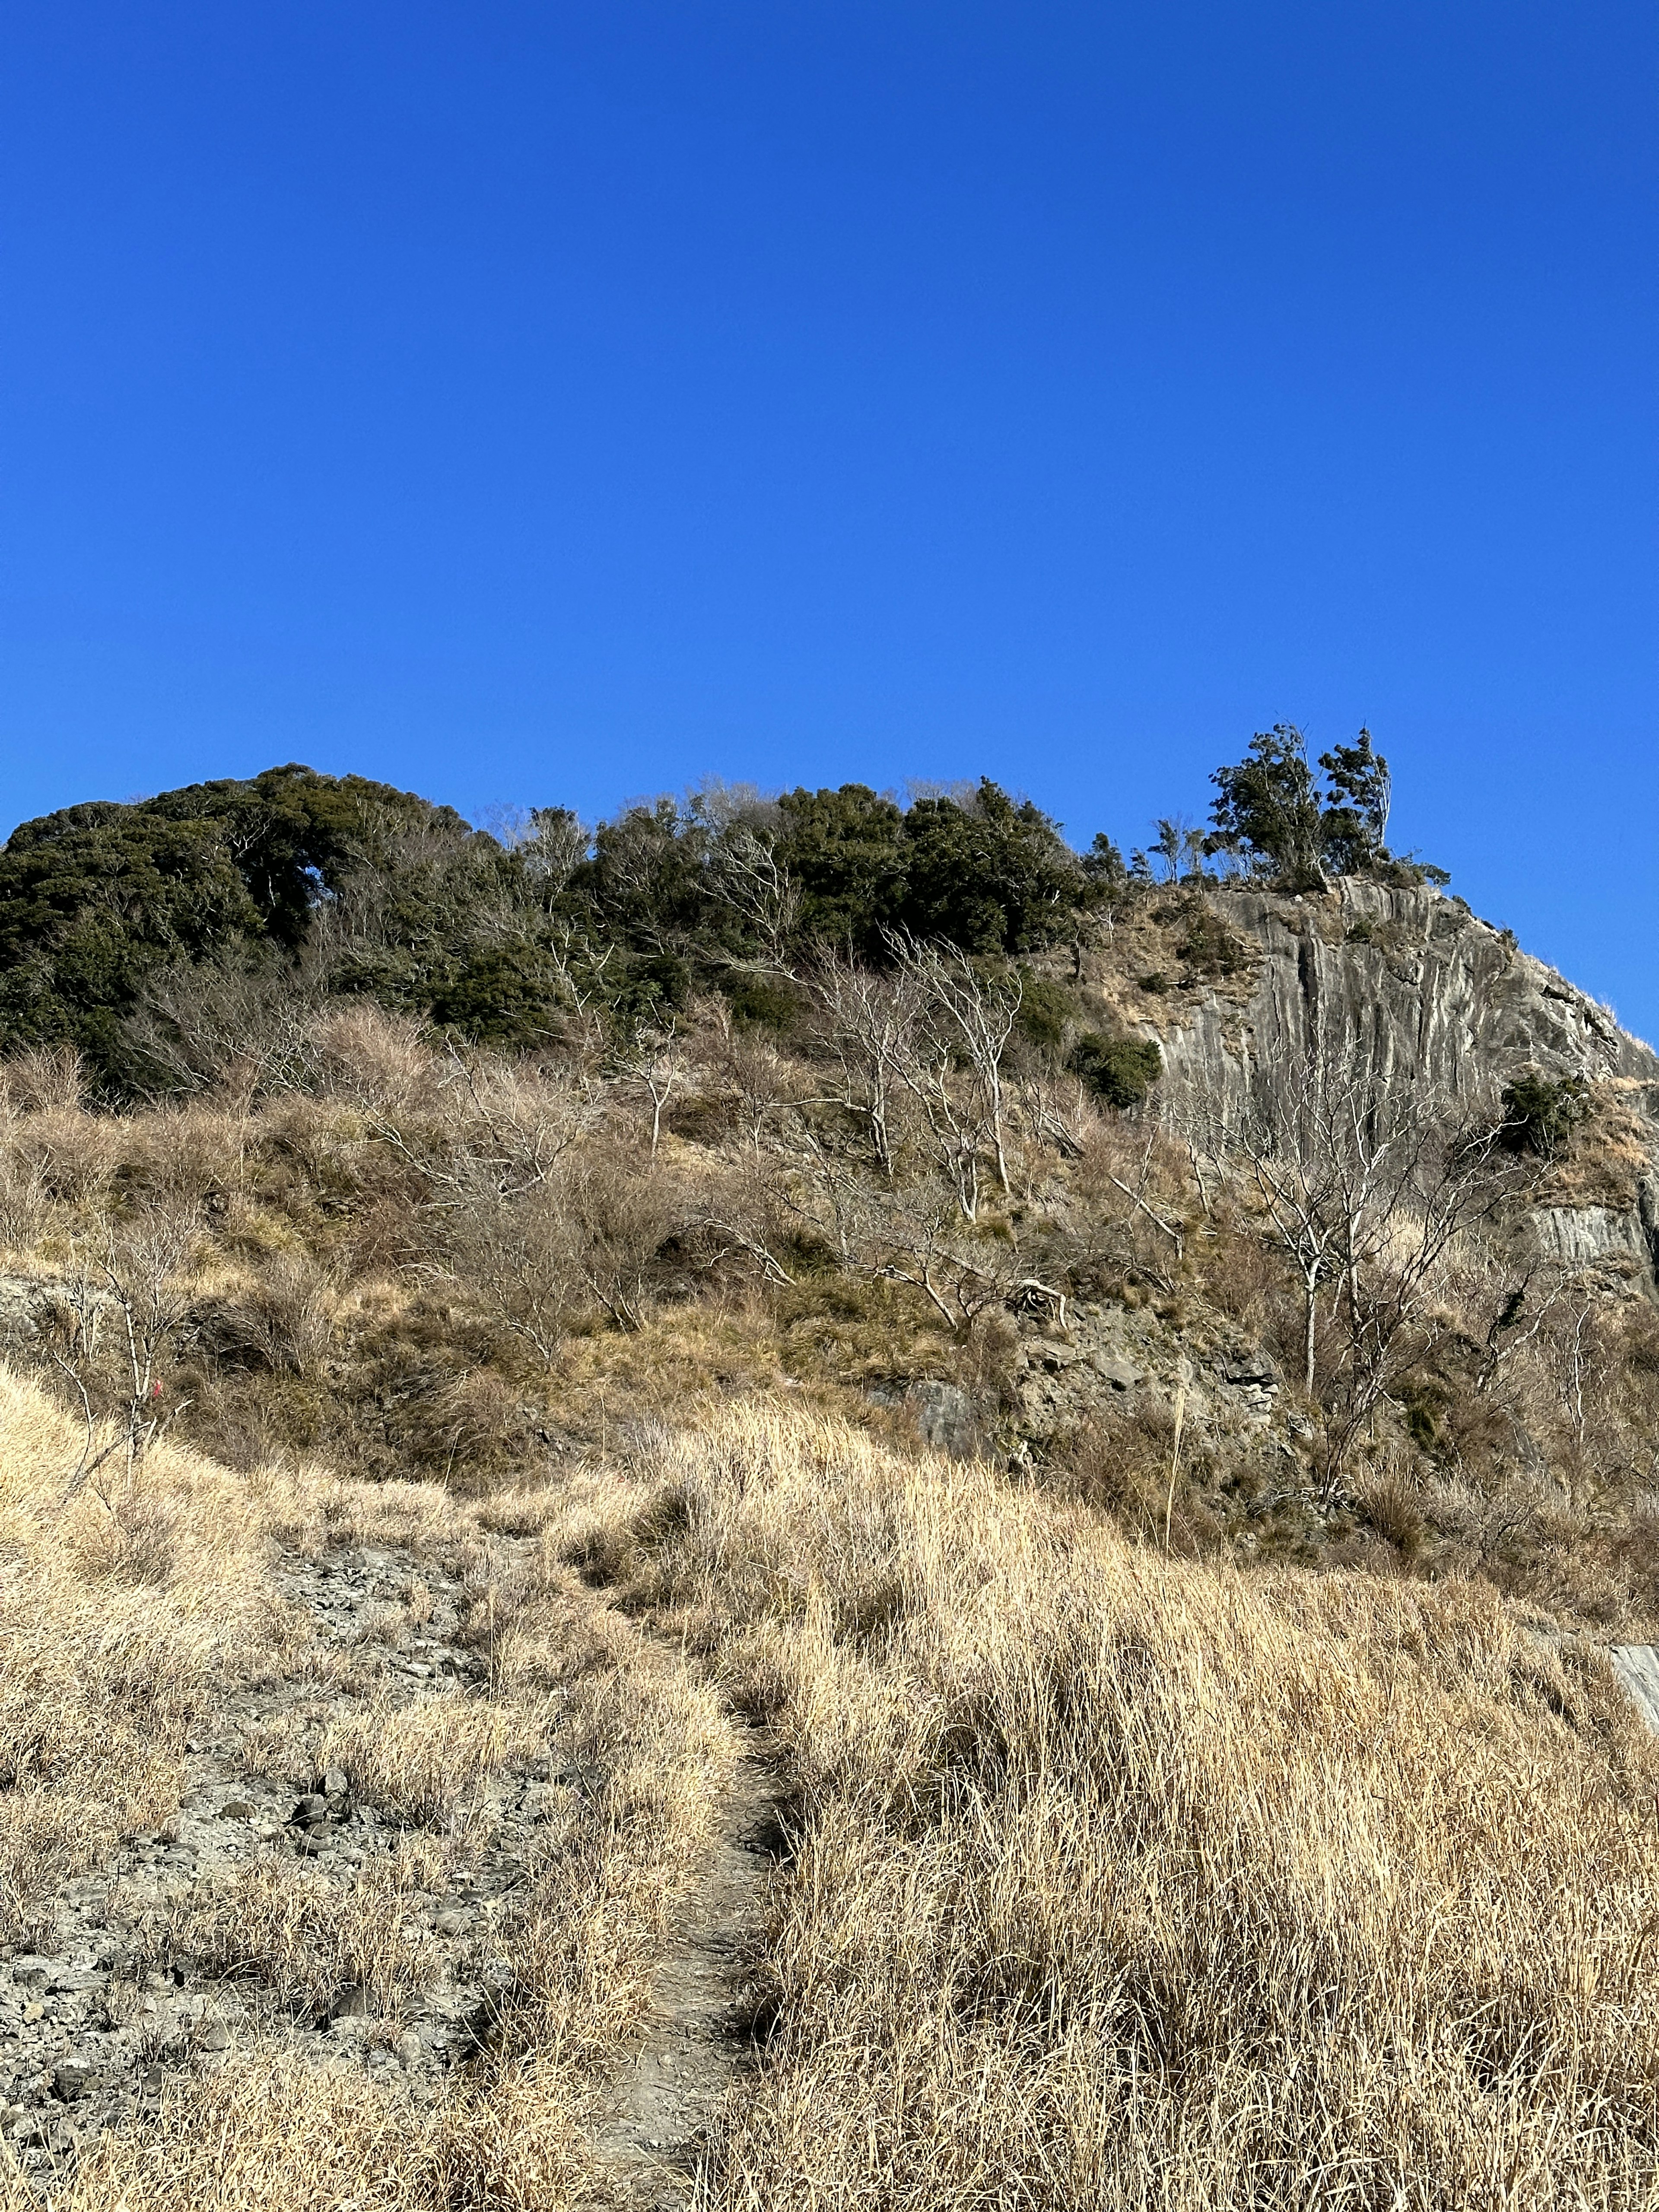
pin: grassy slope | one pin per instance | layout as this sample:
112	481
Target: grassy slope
126	1617
1119	1880
1132	1883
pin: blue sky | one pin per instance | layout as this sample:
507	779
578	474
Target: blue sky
560	403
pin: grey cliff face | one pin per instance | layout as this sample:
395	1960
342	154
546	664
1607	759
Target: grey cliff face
1428	993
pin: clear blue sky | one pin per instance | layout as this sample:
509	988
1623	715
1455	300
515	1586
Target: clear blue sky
557	403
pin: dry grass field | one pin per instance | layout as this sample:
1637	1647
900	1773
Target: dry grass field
434	1490
1126	1882
1112	1879
134	1621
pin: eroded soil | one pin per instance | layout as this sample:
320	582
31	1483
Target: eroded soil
140	1969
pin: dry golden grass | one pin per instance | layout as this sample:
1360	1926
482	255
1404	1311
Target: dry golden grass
1132	1883
119	1611
105	1676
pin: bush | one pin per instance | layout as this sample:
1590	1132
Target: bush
1047	1010
763	1002
1539	1113
1118	1071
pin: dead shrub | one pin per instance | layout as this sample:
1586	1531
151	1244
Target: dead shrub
42	1079
1392	1505
377	1059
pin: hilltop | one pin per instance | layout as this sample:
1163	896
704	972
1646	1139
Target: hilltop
1090	1419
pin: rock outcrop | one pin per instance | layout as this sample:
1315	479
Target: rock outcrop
1423	991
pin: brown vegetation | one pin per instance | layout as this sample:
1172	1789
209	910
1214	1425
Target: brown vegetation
1210	1794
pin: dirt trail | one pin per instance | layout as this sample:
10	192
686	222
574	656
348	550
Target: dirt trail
699	2036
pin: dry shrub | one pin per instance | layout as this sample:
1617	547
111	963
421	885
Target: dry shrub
1244	1277
68	1154
24	1206
183	1157
376	1059
280	1321
1392	1505
42	1079
1133	1883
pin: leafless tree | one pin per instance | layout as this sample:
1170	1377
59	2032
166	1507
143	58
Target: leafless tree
620	1212
1367	1182
867	1023
915	1234
951	1060
516	1256
118	1311
747	873
502	1130
655	1059
204	1025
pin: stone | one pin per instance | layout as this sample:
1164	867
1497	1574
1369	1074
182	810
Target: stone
1122	1374
75	2077
1637	1666
1429	995
43	2131
310	1808
944	1413
1248	1371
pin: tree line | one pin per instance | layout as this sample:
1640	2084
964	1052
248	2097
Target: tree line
122	923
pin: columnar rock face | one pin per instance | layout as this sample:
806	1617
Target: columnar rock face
1425	992
1424	989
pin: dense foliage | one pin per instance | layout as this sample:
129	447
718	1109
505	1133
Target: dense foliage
1273	819
115	916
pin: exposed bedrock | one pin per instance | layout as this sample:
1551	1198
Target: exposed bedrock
1425	991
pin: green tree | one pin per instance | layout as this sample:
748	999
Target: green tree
95	898
846	852
1268	813
1354	825
993	875
1118	1071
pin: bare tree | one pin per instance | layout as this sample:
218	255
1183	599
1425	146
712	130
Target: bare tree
867	1024
951	1057
655	1059
118	1312
517	1257
1367	1182
746	872
915	1233
502	1130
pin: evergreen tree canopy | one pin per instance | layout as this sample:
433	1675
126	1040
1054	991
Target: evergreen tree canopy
1274	817
94	897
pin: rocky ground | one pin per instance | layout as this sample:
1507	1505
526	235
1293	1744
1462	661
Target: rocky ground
220	1926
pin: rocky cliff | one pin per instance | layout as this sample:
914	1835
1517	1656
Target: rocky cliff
1233	985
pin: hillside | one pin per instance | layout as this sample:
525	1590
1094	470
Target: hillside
964	1504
